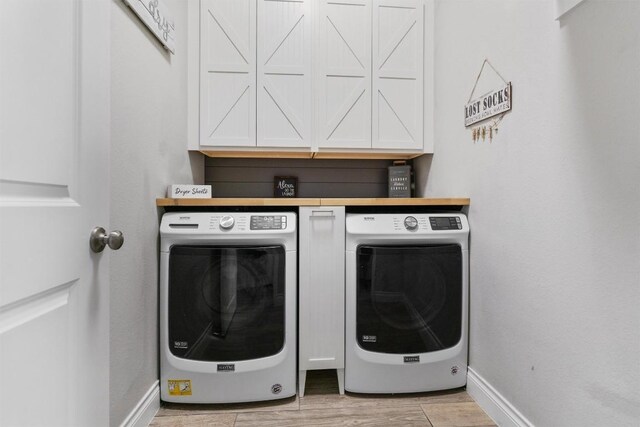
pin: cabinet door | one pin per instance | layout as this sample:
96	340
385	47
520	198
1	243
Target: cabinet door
228	73
344	74
284	73
398	42
321	287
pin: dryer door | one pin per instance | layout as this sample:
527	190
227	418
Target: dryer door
226	303
409	298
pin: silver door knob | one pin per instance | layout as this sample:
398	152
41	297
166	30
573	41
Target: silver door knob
99	239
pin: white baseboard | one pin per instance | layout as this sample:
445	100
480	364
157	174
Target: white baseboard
146	408
493	403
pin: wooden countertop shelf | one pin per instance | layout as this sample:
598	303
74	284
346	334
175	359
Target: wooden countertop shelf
414	201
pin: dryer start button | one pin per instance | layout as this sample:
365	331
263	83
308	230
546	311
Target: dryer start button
227	222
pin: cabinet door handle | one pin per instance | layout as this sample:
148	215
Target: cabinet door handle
322	214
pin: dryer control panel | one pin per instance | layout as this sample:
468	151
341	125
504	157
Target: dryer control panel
445	223
406	229
417	224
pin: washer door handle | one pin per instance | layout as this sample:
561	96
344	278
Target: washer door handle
99	239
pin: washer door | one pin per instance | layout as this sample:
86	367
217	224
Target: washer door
409	298
226	303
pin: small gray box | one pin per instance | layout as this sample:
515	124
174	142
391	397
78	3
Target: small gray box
399	181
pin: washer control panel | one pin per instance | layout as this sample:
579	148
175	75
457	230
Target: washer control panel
445	223
268	222
228	223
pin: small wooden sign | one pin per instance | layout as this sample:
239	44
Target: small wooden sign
285	186
189	191
489	105
399	181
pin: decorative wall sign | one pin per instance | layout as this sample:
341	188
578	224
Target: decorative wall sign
285	186
156	16
487	106
494	103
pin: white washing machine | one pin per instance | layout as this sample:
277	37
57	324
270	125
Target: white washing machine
227	306
407	287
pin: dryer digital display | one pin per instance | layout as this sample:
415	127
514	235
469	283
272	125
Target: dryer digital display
445	223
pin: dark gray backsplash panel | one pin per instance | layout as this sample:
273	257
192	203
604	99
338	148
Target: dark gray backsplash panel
316	177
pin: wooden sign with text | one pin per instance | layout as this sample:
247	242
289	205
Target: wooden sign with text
489	105
285	186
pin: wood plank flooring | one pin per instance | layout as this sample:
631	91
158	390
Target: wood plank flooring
323	406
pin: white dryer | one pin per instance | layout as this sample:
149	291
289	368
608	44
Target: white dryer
227	306
407	286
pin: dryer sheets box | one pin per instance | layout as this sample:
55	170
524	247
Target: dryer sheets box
189	191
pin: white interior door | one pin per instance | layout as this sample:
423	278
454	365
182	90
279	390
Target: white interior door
54	141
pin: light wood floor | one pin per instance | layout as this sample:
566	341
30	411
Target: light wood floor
323	406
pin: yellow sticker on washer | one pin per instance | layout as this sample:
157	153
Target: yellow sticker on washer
179	387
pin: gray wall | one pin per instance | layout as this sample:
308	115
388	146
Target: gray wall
148	152
555	202
316	177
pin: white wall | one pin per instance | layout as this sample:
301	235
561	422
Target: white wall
148	152
555	202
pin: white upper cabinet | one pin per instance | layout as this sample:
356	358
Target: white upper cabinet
398	60
228	73
284	73
343	83
325	76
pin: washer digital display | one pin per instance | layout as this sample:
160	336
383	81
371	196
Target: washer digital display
268	222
